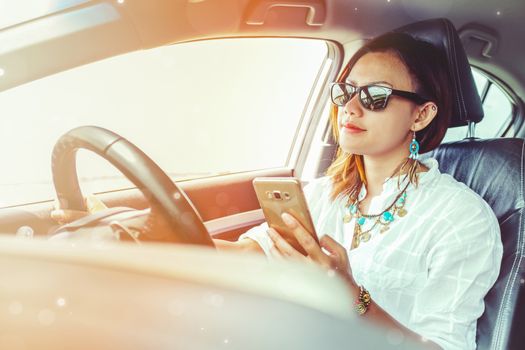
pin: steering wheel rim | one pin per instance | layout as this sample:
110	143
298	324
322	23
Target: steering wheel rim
162	193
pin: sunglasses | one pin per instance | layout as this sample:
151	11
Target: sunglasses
372	97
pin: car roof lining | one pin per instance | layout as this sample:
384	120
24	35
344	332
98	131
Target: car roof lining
137	25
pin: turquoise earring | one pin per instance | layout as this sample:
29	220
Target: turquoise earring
414	148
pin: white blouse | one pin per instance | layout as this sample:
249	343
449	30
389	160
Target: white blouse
431	270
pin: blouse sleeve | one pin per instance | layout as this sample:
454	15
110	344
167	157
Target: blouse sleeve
313	193
462	266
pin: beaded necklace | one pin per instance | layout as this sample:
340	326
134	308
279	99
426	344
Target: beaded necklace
383	219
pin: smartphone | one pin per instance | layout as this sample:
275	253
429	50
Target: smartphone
278	195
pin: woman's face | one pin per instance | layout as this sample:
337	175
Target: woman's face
382	132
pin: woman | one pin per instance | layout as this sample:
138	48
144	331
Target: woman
419	249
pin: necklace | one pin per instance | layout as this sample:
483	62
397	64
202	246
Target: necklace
383	219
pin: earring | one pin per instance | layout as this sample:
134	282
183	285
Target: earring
414	148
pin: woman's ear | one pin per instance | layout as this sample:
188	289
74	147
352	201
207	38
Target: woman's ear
425	114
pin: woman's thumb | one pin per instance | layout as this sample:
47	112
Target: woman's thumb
329	244
94	204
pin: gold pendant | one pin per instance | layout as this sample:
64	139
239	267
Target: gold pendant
365	237
401	212
356	242
384	229
357	234
347	218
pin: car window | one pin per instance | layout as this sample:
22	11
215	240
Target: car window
197	109
496	106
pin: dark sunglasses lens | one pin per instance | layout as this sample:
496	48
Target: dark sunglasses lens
339	95
374	97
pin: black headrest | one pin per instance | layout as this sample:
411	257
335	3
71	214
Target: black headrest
442	34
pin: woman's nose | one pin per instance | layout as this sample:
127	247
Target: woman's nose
353	107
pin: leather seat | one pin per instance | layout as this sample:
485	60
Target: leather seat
494	169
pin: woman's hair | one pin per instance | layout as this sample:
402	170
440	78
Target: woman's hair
428	71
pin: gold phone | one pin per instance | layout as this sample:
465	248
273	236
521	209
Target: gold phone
278	195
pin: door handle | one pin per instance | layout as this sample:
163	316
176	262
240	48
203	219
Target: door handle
259	10
481	34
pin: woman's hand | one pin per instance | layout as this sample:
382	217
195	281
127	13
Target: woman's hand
336	259
93	205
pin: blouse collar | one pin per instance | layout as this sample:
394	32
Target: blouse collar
391	183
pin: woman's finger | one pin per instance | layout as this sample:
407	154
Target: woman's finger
64	216
94	204
339	258
284	248
275	253
305	239
333	247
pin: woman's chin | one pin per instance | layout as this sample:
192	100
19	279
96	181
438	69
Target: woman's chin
351	148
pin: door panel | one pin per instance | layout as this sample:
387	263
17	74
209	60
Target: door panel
226	203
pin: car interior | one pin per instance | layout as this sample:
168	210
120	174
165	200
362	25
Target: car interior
166	286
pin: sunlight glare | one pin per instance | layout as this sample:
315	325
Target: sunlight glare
22	11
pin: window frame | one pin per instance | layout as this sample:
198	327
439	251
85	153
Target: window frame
507	125
301	154
311	114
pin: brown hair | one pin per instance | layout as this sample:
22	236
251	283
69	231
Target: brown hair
428	70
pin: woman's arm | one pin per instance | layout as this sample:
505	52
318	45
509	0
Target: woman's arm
245	245
376	315
336	260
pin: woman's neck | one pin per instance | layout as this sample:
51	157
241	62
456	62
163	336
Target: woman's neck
379	168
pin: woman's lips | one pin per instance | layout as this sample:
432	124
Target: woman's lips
351	128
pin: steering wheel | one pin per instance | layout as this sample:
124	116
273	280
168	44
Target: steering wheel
167	201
